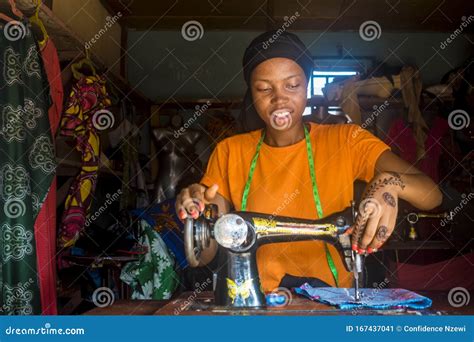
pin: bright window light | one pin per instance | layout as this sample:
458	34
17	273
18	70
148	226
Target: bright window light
321	78
307	111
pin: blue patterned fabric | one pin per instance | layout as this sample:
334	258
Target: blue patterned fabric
170	227
378	299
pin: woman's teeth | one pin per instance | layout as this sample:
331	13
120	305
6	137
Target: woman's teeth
281	119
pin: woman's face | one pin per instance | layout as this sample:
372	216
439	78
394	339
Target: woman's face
279	90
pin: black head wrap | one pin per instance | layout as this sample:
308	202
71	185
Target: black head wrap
271	44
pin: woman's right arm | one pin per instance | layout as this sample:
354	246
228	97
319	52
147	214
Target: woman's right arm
192	200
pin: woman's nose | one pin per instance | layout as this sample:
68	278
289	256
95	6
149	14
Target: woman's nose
279	97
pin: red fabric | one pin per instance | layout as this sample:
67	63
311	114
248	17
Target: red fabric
400	138
45	225
442	275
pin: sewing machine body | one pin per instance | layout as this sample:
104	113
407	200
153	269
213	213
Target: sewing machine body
239	235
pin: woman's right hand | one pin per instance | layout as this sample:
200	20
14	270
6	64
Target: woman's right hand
192	200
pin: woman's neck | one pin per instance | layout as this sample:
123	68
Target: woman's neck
277	138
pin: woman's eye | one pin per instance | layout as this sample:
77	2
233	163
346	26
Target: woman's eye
265	89
293	86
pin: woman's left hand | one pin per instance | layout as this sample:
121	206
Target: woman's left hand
377	213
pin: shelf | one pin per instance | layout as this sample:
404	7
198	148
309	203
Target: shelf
366	103
415	245
192	103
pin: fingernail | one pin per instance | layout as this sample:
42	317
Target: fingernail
375	250
354	247
369	250
195	215
201	206
361	251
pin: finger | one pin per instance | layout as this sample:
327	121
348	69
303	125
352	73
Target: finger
366	209
361	220
379	233
177	203
180	211
188	203
369	232
211	192
385	231
182	215
197	194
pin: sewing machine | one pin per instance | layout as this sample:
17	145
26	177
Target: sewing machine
239	235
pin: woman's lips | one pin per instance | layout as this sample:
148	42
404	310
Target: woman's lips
281	118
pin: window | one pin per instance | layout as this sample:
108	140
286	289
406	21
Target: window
328	68
321	78
319	81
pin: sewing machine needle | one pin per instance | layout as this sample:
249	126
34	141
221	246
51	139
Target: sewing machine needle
356	286
356	267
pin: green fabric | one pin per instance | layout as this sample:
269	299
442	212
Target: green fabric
153	276
27	166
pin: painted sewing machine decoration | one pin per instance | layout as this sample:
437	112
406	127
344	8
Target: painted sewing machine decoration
239	235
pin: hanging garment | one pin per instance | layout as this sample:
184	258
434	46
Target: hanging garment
153	276
375	298
27	167
401	138
439	276
411	91
82	120
45	225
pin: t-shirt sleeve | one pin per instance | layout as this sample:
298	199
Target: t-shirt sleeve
364	150
217	170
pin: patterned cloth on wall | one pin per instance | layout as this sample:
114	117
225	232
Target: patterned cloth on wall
153	276
27	167
83	118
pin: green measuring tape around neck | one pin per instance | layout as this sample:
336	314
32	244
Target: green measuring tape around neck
312	173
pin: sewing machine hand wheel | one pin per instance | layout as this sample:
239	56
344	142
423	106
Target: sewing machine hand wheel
198	234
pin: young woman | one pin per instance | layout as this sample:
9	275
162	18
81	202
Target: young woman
303	170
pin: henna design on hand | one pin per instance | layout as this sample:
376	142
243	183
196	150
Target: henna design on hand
382	233
393	179
357	233
388	178
398	179
389	199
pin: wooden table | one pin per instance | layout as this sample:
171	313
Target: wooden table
190	303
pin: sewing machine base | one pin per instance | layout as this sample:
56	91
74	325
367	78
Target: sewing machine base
190	303
183	305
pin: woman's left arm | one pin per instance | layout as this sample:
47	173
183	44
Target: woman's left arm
419	189
394	178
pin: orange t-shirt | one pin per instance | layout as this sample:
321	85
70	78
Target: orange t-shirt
281	185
